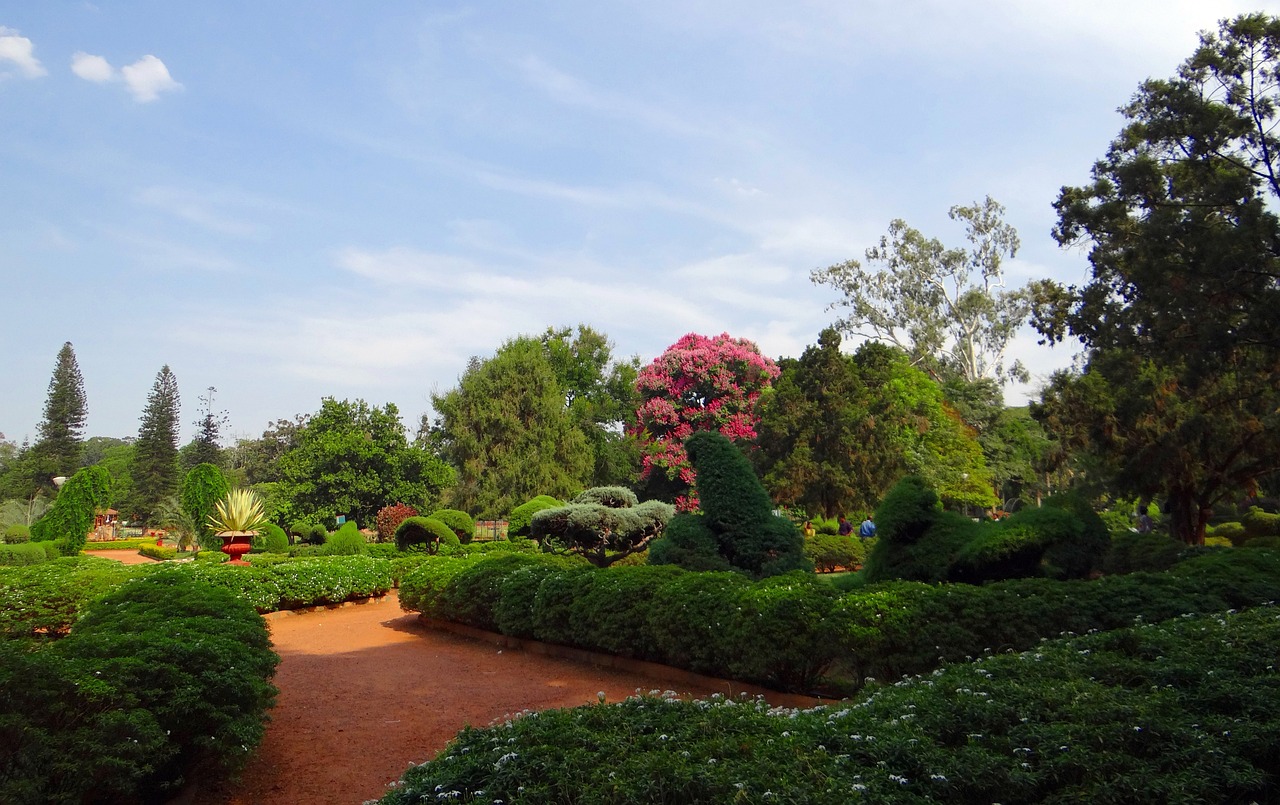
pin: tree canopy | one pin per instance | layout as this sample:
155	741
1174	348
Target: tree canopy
947	308
56	451
351	459
1179	395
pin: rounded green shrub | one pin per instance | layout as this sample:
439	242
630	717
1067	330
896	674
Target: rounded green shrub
702	642
1259	523
471	595
424	534
23	553
612	613
16	533
1131	552
346	541
272	539
519	519
1233	532
830	552
688	542
458	521
513	612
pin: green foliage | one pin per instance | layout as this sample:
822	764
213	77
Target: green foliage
688	542
57	448
521	516
352	459
389	517
1258	523
421	588
918	542
611	614
514	611
470	596
70	518
239	510
298	583
1232	532
424	534
17	533
737	512
1132	552
1181	712
272	539
507	430
603	525
162	552
202	487
347	541
829	552
459	521
45	599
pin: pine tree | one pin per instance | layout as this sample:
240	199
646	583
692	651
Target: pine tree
57	448
155	458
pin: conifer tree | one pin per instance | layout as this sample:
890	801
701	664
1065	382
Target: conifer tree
57	448
155	458
204	449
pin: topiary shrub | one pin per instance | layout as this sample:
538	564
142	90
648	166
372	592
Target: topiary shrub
70	519
603	525
459	521
23	553
272	539
909	510
737	512
688	542
518	523
424	534
1233	532
16	533
346	541
390	517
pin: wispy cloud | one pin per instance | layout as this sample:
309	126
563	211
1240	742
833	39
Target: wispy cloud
198	209
19	51
145	79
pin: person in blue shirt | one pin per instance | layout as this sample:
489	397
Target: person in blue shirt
867	529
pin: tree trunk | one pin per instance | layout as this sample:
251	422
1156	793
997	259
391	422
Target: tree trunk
1187	518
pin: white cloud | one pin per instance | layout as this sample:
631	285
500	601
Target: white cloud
147	78
20	51
92	68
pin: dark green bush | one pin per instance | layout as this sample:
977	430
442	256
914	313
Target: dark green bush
690	618
317	534
195	658
553	604
424	534
17	533
689	543
1132	552
611	614
908	510
513	612
470	596
299	583
785	632
458	521
1184	712
522	515
1231	531
1269	543
829	552
384	550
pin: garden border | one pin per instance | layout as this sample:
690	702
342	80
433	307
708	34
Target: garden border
653	670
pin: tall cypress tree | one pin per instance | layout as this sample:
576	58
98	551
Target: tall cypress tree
57	448
155	457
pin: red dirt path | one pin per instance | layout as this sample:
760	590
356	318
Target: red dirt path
366	690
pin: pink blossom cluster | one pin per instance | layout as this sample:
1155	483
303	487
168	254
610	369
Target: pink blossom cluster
699	383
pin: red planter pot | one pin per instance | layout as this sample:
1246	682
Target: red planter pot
236	544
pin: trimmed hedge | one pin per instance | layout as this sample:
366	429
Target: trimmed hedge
788	631
299	583
346	541
16	533
27	553
160	679
1188	711
521	516
424	534
45	599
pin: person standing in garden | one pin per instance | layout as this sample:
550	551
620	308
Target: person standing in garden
868	528
846	527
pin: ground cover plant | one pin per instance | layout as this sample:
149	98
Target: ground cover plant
1186	711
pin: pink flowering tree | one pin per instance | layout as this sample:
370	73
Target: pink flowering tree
699	383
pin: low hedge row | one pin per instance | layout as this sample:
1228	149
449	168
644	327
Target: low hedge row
1187	711
788	631
299	583
162	678
28	553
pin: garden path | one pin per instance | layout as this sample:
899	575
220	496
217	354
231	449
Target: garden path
367	689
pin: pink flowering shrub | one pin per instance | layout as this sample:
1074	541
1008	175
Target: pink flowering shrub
698	384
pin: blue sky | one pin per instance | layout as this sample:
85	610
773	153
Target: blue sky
291	201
